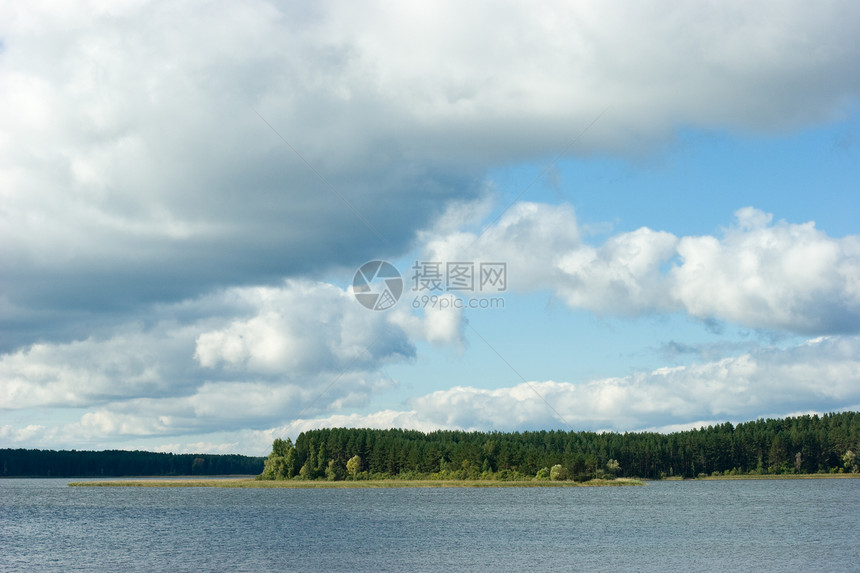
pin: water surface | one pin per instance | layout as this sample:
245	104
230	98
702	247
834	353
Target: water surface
694	525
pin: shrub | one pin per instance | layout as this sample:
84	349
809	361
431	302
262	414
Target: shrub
558	473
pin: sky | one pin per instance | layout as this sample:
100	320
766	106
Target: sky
668	194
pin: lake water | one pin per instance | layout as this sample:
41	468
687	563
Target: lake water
789	525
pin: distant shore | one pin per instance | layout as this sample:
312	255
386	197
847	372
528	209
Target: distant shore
780	476
392	483
245	482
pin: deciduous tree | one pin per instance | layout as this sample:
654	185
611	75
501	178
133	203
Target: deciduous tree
353	466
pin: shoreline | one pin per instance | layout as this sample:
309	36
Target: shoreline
393	483
251	483
776	477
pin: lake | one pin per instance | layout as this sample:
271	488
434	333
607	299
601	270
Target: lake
785	525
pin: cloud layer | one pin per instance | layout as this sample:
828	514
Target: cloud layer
248	358
135	168
770	381
304	347
178	182
767	381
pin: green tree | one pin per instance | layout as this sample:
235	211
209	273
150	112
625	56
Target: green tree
334	471
280	447
761	446
849	458
558	473
322	460
306	472
353	466
197	465
273	467
281	463
613	467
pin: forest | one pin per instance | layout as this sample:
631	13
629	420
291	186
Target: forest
795	445
115	463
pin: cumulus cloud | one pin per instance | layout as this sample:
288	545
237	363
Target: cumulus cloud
822	374
128	365
134	167
759	274
530	238
782	276
622	275
818	375
299	329
303	347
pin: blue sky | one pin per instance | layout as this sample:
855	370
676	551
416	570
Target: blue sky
694	183
689	186
674	191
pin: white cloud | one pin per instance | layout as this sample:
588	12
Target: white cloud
267	354
383	419
818	375
782	276
530	238
311	328
622	276
12	434
822	373
779	276
300	328
135	169
440	325
84	372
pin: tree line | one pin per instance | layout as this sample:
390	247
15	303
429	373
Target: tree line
115	463
803	444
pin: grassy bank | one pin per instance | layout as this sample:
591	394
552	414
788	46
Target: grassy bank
252	483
